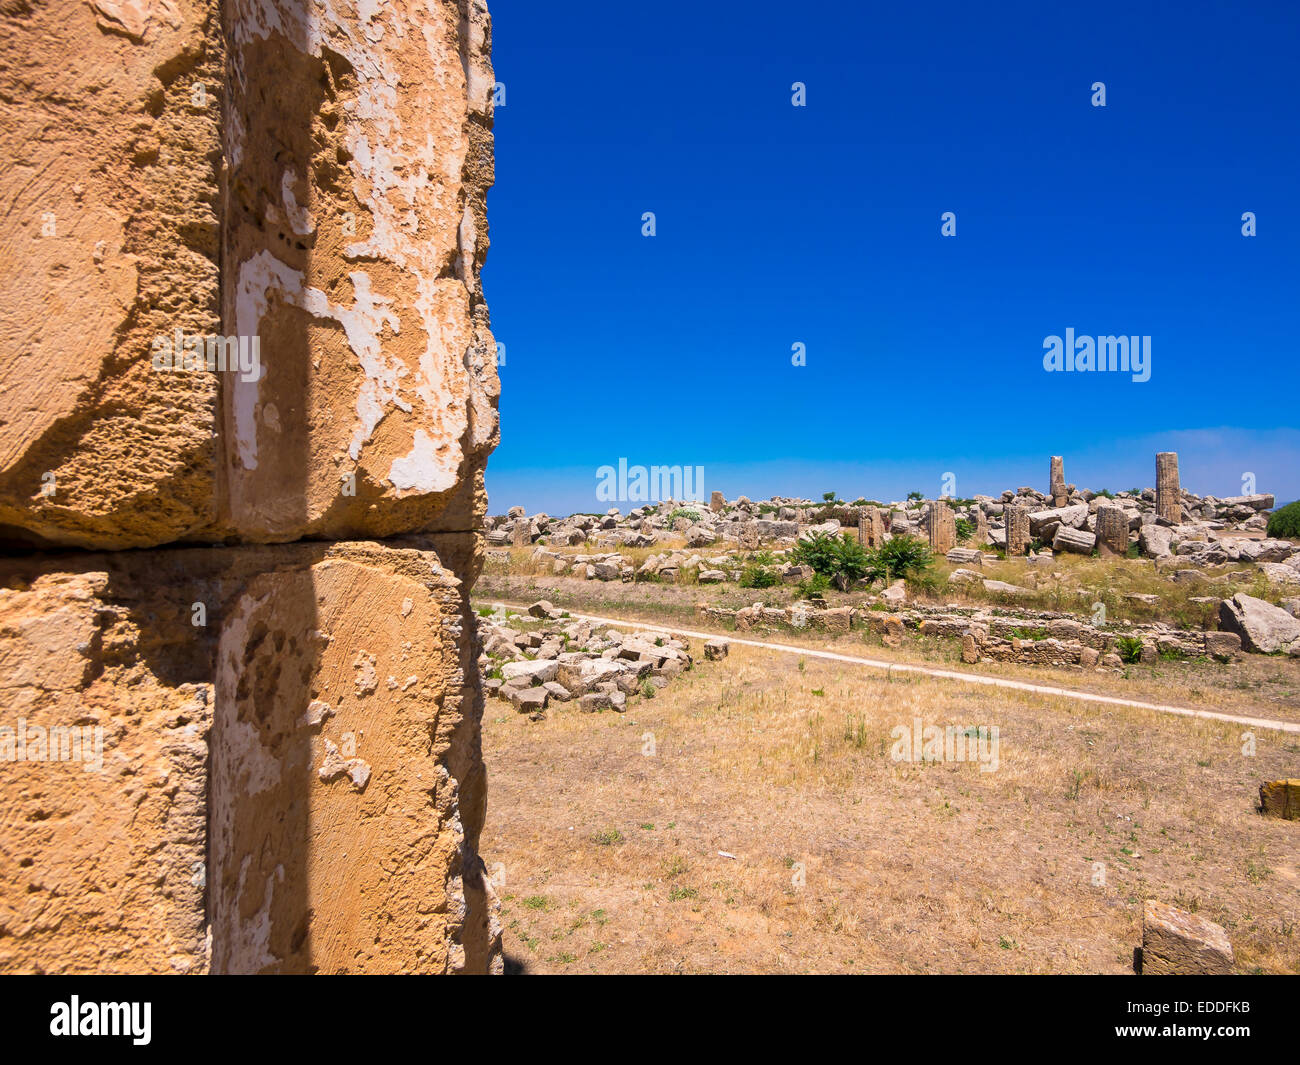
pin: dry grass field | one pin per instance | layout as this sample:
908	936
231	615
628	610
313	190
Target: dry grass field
610	829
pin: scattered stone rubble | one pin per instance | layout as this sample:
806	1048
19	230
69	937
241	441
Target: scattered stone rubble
574	660
1179	530
1185	535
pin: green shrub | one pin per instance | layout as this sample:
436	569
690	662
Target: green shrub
1286	521
839	558
901	556
965	528
683	512
755	576
814	587
1130	648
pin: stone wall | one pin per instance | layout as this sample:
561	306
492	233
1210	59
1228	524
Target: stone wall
251	743
1065	641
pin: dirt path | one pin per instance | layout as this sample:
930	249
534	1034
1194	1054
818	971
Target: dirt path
945	674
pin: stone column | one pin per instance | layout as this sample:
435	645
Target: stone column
871	528
1169	496
1060	497
981	527
1017	520
1112	531
252	233
717	503
942	527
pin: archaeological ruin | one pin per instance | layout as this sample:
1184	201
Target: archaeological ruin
249	391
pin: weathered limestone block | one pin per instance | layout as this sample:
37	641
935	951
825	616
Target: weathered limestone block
748	536
1178	943
1155	541
871	528
1077	541
1017	519
941	526
1263	627
336	688
104	728
1056	485
1112	531
1222	646
356	234
332	162
717	502
1280	798
1169	496
110	131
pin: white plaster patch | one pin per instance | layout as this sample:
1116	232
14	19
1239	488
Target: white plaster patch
362	323
427	468
300	220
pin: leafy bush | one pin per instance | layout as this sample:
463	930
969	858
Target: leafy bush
965	528
814	587
683	512
1286	521
915	495
755	576
838	558
1130	648
901	556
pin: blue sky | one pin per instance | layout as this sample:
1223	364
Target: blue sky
820	225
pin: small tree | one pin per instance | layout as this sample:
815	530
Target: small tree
1285	521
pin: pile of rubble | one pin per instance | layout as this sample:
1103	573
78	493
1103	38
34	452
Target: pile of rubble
1179	529
566	660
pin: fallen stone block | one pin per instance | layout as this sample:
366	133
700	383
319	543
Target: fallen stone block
716	649
1076	541
538	671
1222	646
529	700
1280	798
1263	627
1178	943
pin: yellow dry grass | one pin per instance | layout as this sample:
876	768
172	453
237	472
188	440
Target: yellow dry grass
608	829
